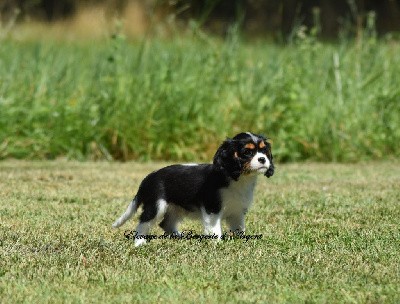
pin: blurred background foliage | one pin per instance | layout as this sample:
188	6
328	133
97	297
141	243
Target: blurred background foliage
274	18
169	80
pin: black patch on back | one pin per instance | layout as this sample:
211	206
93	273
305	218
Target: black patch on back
189	187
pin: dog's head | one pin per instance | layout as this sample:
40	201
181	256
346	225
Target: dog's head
246	153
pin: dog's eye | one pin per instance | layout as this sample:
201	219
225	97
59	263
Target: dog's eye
247	152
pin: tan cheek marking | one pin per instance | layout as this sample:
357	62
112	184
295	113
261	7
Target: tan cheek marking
246	168
262	145
250	146
236	155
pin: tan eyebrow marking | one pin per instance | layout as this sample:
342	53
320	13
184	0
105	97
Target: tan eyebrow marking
250	146
261	145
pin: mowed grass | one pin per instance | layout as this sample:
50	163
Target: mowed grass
330	235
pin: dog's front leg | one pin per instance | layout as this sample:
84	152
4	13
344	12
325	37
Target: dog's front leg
236	223
212	223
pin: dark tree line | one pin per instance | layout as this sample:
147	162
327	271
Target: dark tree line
281	16
254	16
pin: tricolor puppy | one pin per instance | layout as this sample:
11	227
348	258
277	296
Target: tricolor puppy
212	192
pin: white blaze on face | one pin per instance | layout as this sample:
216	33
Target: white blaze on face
260	163
253	137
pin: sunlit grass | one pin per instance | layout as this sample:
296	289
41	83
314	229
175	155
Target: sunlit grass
330	234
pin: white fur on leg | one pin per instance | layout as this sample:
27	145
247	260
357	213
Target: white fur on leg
162	206
143	229
212	223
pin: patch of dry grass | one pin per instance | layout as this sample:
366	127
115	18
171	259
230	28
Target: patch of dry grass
89	23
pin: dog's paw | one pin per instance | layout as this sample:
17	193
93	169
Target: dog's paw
139	242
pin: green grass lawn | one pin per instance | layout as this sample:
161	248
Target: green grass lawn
330	235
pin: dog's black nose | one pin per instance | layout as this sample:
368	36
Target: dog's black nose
262	160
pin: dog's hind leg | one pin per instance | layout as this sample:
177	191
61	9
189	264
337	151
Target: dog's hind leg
151	214
170	222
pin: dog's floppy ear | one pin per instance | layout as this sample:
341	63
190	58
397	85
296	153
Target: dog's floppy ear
271	169
226	159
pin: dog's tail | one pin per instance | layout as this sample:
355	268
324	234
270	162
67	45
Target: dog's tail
130	211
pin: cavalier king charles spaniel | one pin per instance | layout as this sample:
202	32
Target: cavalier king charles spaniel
213	192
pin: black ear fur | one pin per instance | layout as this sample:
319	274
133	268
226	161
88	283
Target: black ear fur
271	169
225	159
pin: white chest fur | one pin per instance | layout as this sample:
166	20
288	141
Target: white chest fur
238	196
